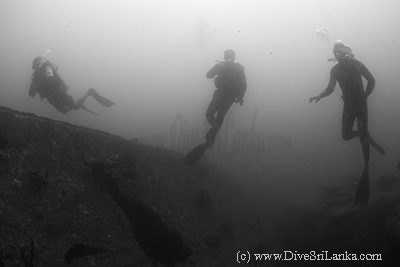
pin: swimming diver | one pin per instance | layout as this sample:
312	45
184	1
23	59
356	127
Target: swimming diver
348	72
48	84
230	81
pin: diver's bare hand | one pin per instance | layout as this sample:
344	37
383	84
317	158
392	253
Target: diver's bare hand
316	98
240	101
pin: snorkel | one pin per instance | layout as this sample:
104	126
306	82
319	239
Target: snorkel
229	56
341	52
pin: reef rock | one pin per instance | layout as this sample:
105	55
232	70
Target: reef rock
342	234
74	196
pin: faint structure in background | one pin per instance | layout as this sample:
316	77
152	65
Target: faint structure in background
202	31
323	35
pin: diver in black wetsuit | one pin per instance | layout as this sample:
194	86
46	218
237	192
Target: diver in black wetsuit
348	73
230	81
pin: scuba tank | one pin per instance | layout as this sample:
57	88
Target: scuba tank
60	81
54	67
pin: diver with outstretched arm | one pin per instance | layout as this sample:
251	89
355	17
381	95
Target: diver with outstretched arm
48	84
348	72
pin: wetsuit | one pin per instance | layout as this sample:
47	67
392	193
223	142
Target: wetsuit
230	81
348	73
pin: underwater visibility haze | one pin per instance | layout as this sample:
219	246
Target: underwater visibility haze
151	57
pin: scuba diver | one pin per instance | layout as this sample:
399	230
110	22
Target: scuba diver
48	84
348	73
230	81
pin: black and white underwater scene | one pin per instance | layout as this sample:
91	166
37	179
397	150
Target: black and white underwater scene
199	133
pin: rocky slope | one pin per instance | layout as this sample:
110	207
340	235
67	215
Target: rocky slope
342	234
73	196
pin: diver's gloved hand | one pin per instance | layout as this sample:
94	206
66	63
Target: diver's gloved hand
240	101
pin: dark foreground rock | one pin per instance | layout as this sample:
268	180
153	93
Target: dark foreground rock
73	196
342	234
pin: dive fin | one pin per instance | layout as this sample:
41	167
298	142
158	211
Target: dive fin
195	154
88	110
362	192
102	100
211	135
376	146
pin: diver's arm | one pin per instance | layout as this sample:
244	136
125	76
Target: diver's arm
213	71
32	90
368	76
329	89
242	86
244	83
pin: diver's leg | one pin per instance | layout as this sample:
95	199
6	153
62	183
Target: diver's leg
58	103
365	136
213	107
376	146
224	108
348	119
67	103
363	188
102	100
362	124
60	107
362	192
81	100
211	135
91	92
217	124
210	115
